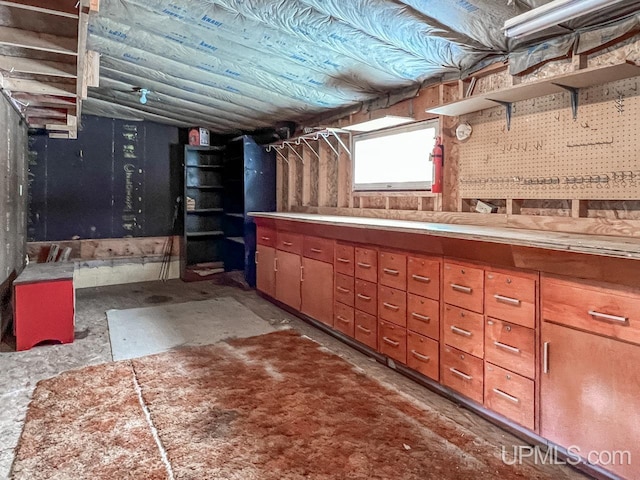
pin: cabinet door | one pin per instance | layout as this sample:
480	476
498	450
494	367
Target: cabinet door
266	273
288	278
317	290
590	394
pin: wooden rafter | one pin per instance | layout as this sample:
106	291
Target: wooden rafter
37	67
39	88
16	37
62	8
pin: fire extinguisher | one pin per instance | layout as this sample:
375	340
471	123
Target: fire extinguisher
437	157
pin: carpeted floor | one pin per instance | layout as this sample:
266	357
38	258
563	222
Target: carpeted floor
272	407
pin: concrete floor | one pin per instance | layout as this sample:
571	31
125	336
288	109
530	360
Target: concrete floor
22	370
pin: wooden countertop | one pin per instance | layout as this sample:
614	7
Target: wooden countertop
45	272
604	245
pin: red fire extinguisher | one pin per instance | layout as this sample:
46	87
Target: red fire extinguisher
437	157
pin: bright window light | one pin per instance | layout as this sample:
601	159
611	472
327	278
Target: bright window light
395	159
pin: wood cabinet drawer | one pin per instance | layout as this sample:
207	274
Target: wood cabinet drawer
289	242
392	305
423	316
392	270
604	310
366	264
343	319
366	329
392	341
509	394
422	355
464	330
318	249
510	298
266	236
344	289
462	372
366	297
463	286
344	259
423	277
510	346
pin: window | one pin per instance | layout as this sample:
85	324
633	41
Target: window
396	158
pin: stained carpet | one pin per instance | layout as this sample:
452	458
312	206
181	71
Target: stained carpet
271	407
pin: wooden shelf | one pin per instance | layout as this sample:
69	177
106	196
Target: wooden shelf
211	233
587	77
206	187
239	240
206	167
205	210
235	215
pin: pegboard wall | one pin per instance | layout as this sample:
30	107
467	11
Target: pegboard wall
548	155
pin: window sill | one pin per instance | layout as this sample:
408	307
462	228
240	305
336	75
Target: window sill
395	193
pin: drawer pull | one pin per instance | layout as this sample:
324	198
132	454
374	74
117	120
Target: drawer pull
391	306
460	331
364	297
364	265
504	346
509	300
422	318
420	357
545	357
390	342
365	330
344	260
606	316
506	395
266	239
391	271
275	264
288	244
343	290
301	273
342	319
256	257
460	374
316	250
460	288
420	278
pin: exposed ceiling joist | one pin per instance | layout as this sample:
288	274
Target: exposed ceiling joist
39	88
37	67
15	37
62	8
37	100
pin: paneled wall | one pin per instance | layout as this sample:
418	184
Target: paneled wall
589	165
13	202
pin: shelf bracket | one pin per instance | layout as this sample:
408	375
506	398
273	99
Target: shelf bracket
310	147
508	109
291	149
335	134
574	98
278	152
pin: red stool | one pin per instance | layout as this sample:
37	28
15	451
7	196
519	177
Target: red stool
44	304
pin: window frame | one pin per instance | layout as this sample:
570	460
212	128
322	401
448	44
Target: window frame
388	186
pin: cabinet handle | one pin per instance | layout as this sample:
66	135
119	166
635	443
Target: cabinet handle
390	342
365	330
460	374
342	289
509	300
391	306
545	357
606	316
316	250
504	346
461	288
301	273
266	239
422	318
288	244
256	257
423	358
460	331
364	297
344	260
506	395
275	264
364	265
420	278
391	271
342	319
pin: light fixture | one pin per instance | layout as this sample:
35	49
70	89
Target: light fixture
379	123
552	14
143	96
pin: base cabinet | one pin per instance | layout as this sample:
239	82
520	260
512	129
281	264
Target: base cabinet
317	290
288	274
591	396
265	270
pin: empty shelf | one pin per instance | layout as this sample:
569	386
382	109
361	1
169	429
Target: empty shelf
239	240
211	233
206	210
206	167
206	187
235	215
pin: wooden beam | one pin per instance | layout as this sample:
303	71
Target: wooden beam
44	100
39	88
81	48
61	8
91	73
37	67
94	5
44	42
59	135
36	112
